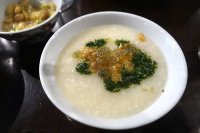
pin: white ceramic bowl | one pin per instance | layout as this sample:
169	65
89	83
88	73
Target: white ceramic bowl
34	33
176	64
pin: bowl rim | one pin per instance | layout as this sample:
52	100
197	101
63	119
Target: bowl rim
112	127
36	26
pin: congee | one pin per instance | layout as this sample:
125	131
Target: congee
111	71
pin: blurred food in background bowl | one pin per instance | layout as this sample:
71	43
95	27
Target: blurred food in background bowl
28	20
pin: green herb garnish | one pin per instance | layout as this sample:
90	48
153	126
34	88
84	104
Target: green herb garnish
111	85
118	68
144	67
96	43
121	42
83	68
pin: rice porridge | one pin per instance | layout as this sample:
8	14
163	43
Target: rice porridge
87	93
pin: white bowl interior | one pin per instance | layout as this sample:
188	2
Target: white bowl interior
177	69
4	3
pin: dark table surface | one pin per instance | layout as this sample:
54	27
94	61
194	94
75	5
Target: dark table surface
25	108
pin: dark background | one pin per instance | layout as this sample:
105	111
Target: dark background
25	108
